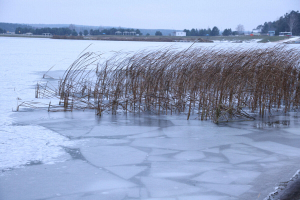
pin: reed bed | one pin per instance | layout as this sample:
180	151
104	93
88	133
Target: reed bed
208	83
67	37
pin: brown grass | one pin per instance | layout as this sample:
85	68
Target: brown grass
215	84
67	37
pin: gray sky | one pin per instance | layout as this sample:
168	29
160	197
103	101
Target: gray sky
152	14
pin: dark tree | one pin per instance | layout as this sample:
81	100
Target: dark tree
235	33
265	28
208	31
137	31
292	20
74	33
215	31
113	31
188	32
80	33
193	32
202	32
288	22
227	32
96	32
85	32
158	33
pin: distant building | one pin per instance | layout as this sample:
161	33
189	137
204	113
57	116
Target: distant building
178	33
285	33
126	33
256	31
271	33
28	34
47	34
129	33
10	33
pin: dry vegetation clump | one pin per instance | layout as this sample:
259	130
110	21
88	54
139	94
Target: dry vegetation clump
133	38
212	83
67	37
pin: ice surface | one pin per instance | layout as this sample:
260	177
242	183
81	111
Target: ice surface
183	168
161	151
113	155
227	176
202	131
165	188
126	172
206	197
212	150
277	148
98	195
128	157
95	142
270	159
62	179
160	198
155	133
293	131
229	189
119	130
194	143
190	155
215	159
236	156
70	129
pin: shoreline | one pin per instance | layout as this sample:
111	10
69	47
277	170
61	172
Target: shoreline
200	39
288	190
24	36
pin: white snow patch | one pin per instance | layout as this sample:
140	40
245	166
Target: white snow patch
19	145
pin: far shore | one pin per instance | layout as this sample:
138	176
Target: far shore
208	39
25	36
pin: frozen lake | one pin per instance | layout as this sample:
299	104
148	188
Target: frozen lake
77	155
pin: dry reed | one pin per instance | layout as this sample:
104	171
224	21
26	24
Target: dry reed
215	84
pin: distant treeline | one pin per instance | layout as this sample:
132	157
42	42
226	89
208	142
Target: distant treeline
290	22
40	31
228	32
68	31
11	27
111	31
202	32
2	30
210	32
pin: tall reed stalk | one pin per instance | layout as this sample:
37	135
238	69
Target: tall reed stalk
215	83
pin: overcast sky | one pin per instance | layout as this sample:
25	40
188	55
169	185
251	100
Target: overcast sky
150	14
